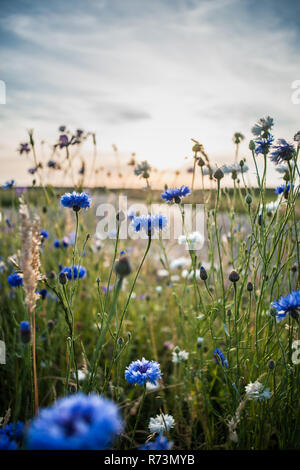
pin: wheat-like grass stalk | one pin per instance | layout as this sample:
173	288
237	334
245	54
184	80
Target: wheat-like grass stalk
30	265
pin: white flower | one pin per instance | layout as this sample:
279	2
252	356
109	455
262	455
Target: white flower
158	289
150	386
200	340
162	273
81	375
190	275
270	207
192	241
161	423
257	391
175	278
179	356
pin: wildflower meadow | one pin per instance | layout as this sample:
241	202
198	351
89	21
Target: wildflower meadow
171	326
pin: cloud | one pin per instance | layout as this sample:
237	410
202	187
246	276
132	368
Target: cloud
148	76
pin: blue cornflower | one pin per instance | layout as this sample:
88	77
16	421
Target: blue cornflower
140	372
43	293
149	223
219	358
66	242
76	201
263	145
76	422
44	234
15	280
282	152
283	189
288	304
14	431
263	126
160	443
78	272
25	332
8	184
6	443
24	326
56	244
175	194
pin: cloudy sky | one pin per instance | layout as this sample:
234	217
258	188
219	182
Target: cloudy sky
147	75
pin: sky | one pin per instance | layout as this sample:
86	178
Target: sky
147	75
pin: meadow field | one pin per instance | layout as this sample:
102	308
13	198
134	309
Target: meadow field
116	334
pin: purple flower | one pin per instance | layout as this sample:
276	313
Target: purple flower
24	148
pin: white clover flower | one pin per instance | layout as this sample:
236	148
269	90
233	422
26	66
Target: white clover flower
257	391
179	355
175	278
200	340
161	423
158	289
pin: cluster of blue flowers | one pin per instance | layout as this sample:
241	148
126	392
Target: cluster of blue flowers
289	304
65	242
76	201
283	189
220	358
74	272
149	223
176	194
11	435
15	280
44	234
77	422
8	184
141	372
160	443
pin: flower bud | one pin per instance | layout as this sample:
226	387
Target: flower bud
249	287
123	267
271	364
203	274
252	145
63	278
25	332
248	199
218	174
234	276
201	162
196	148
